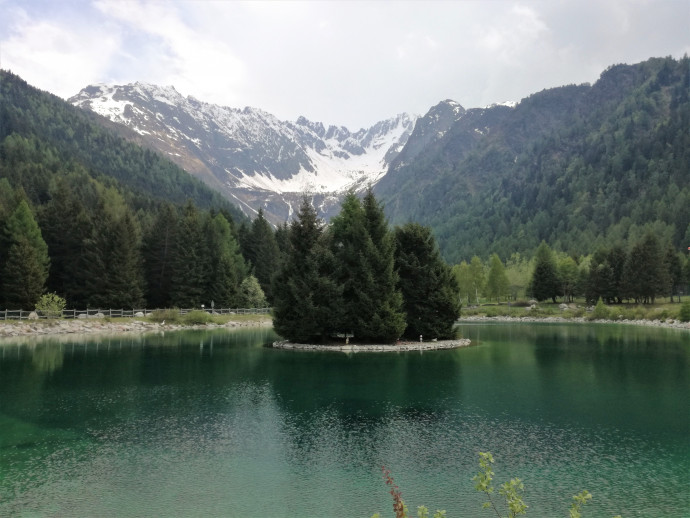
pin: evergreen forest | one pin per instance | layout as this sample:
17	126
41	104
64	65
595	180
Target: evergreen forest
580	167
580	192
102	222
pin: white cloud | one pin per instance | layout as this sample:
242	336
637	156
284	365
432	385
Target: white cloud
176	53
339	62
54	56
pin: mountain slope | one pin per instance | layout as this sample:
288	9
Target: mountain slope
250	155
89	141
577	166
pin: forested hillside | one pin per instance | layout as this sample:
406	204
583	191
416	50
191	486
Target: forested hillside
579	167
105	223
43	128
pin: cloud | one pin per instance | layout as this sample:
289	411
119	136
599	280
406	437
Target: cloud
339	62
54	56
169	50
512	35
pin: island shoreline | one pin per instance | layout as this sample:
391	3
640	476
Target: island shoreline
433	345
11	330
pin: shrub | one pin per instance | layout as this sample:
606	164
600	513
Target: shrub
51	305
170	316
198	317
684	314
601	311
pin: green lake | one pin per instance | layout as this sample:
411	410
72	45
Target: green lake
214	423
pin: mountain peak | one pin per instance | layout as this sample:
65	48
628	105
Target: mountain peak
249	154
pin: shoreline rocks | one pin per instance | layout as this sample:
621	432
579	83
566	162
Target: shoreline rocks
371	348
89	327
670	323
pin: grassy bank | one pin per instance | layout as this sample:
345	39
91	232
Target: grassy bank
662	311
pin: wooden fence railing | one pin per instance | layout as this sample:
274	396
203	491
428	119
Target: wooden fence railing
20	314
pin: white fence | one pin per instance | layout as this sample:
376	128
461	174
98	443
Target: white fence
20	314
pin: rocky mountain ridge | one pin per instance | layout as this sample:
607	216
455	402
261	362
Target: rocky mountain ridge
251	156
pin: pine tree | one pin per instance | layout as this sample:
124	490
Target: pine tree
674	267
388	321
158	249
124	286
307	299
64	225
23	284
24	275
428	286
189	261
364	250
545	283
263	252
645	274
226	264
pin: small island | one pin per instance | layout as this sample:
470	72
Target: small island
375	348
355	285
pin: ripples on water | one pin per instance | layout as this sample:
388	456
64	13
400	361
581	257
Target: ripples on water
246	433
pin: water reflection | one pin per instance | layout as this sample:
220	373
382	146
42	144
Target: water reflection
215	424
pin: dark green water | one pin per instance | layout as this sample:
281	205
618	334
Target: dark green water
214	424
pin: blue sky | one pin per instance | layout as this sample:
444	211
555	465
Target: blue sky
347	63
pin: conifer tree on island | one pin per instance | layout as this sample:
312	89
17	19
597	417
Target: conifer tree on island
307	300
364	249
343	280
429	288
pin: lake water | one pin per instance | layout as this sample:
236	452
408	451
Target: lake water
215	424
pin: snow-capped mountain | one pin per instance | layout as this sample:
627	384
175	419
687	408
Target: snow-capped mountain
254	158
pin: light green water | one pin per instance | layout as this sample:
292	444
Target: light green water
215	424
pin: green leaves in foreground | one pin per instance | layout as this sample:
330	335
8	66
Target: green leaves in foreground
483	482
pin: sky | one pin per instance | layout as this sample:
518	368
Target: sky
349	63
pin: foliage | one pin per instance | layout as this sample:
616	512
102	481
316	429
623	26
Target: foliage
580	500
251	294
189	260
645	271
600	311
262	252
51	305
226	266
684	315
364	249
428	286
170	316
497	283
26	260
196	317
471	279
42	134
307	299
544	283
510	491
577	166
